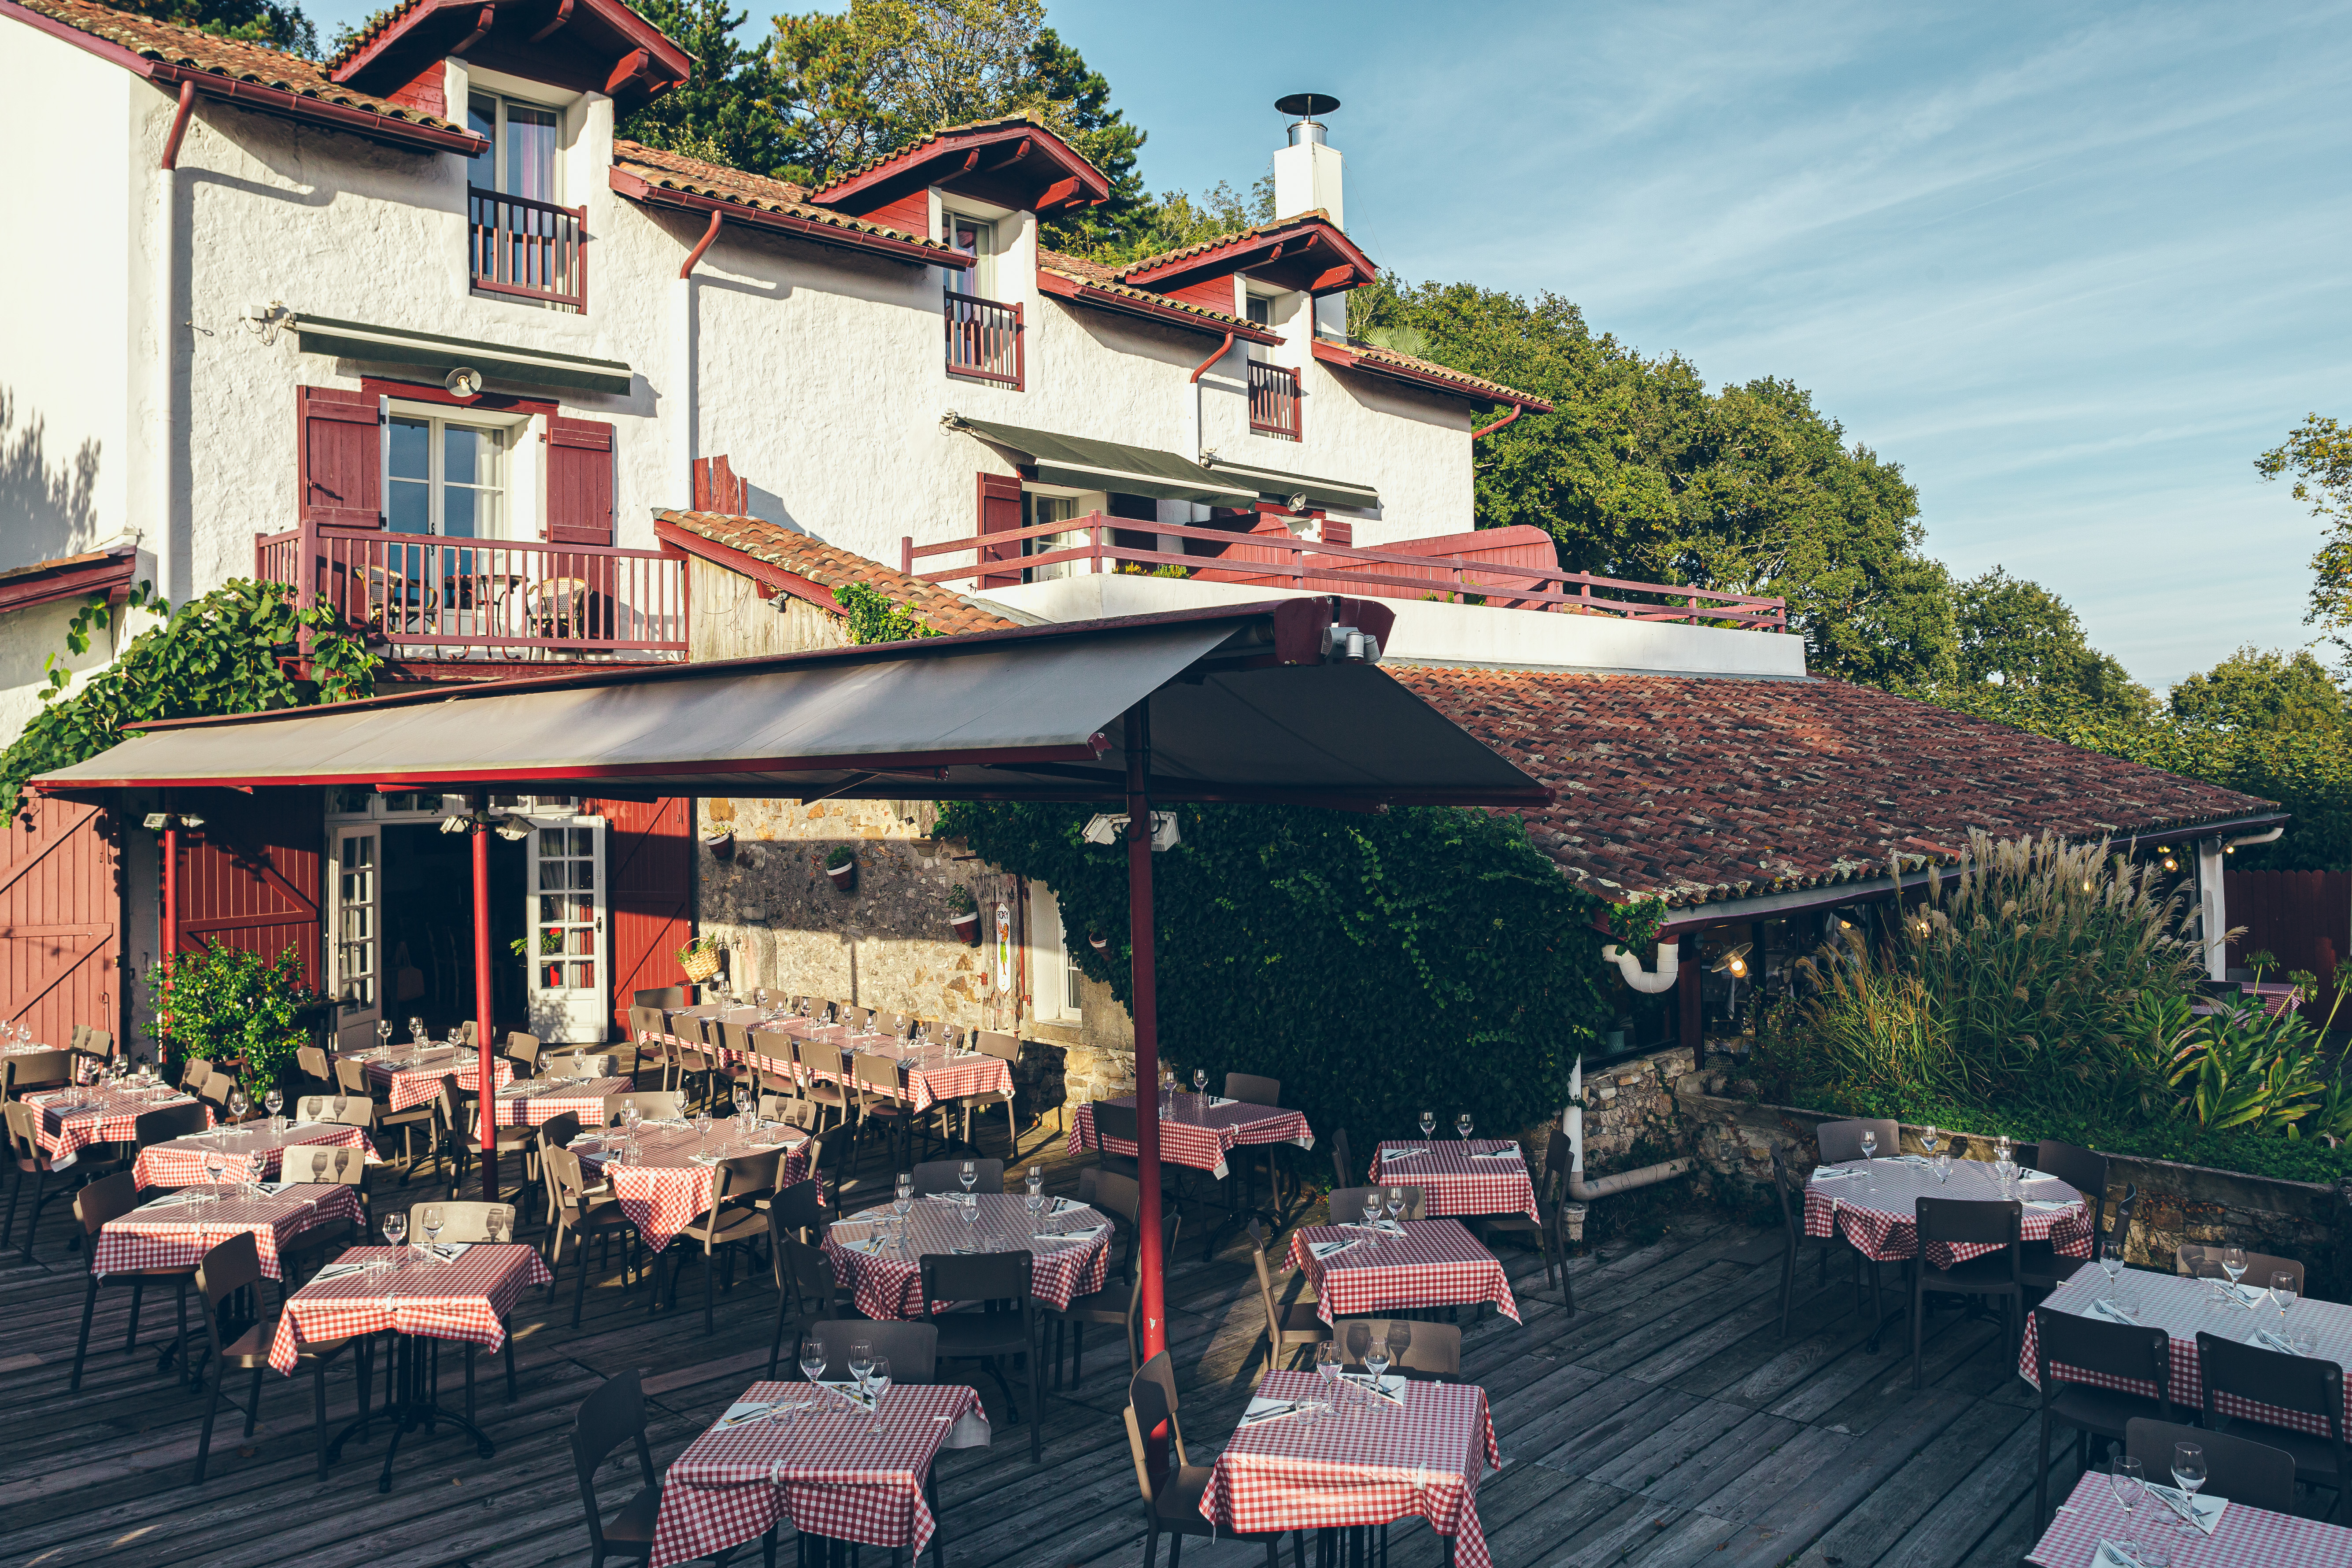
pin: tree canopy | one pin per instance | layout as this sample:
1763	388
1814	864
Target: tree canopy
2252	691
2317	455
2016	633
280	27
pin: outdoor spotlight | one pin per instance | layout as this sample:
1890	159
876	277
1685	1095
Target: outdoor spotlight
156	821
1104	829
1738	966
1108	829
456	823
513	829
190	820
2170	864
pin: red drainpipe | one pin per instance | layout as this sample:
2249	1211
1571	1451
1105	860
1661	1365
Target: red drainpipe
179	124
1222	350
1515	411
708	235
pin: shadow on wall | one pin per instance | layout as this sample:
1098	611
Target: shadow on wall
44	512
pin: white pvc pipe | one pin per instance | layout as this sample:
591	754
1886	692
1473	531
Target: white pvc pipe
1669	966
1578	1188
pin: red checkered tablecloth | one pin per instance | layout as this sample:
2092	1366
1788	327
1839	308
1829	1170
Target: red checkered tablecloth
249	1154
1884	1224
831	1471
928	1075
891	1285
1452	1182
413	1076
74	1119
2244	1537
467	1298
176	1232
2182	1305
1435	1263
1197	1134
664	1187
1358	1467
530	1103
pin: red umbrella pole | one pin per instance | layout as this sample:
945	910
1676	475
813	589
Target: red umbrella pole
485	1085
1143	1008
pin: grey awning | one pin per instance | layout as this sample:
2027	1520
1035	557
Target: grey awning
1243	707
398	345
1107	466
1276	486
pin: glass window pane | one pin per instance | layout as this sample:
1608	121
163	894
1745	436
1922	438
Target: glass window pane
531	153
410	506
583	874
412	448
457	518
584	841
482	120
463	455
582	976
550	844
551	909
551	875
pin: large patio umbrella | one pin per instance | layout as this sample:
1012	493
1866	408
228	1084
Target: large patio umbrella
1274	702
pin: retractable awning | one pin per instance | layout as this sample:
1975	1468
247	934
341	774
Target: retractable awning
1244	705
431	351
1277	486
1106	466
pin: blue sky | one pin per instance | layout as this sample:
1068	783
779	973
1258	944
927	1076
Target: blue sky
2072	266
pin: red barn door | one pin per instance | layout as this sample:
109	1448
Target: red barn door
61	922
649	869
250	878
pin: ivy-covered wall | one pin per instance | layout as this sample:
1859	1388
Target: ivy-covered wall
1424	958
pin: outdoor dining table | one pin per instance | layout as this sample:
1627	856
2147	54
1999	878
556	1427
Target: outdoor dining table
1197	1131
929	1073
73	1119
2243	1537
177	1231
255	1151
462	1294
1360	1271
1366	1462
410	1077
2182	1307
1476	1176
886	1278
826	1469
667	1182
532	1100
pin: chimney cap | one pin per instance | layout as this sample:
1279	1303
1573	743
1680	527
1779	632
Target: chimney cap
1305	104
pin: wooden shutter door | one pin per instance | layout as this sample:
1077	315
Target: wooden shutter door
61	922
250	878
341	436
579	482
1000	512
648	871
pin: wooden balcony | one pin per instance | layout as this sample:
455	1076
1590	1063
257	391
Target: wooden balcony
983	339
419	598
1273	401
527	249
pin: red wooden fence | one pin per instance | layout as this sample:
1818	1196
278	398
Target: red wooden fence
2303	917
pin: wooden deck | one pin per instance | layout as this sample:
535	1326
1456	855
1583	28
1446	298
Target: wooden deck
1664	1423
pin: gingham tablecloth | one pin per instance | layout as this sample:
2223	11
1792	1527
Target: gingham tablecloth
1196	1134
2244	1537
891	1286
1884	1224
176	1232
530	1103
415	1077
1451	1182
250	1154
100	1114
664	1188
2180	1306
1435	1263
467	1298
928	1075
1358	1467
836	1476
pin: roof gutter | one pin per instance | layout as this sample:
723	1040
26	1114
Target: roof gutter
1222	350
1488	430
718	217
918	253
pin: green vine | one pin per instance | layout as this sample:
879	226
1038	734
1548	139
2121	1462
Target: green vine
218	654
874	617
1634	924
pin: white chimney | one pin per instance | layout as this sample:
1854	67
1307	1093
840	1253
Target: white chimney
1307	172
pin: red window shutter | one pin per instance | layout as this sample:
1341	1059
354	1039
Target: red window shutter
579	482
341	437
1000	512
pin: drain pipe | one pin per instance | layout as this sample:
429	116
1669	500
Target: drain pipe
1585	1192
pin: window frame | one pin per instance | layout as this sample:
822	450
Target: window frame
498	150
504	432
1053	996
981	283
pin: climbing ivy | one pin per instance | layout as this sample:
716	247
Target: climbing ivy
1634	924
874	617
1427	958
217	654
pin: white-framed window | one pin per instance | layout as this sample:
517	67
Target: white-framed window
520	159
1037	508
447	477
975	237
352	802
1260	311
1054	985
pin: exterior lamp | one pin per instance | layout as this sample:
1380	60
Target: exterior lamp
190	820
458	823
512	828
156	821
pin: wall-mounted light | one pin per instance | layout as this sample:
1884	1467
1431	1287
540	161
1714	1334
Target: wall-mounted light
157	821
512	828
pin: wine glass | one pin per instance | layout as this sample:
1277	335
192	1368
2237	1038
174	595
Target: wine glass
395	1231
969	1175
701	1128
2124	1480
861	1362
1326	1367
812	1359
1944	1167
2233	1264
496	1223
632	1117
2282	1293
1376	1361
215	1165
1869	1157
275	1099
760	995
1461	1126
1429	1124
877	1383
1034	1202
2188	1473
1396	1203
1201	1081
1372	1206
383	1034
2111	1260
434	1217
1927	1140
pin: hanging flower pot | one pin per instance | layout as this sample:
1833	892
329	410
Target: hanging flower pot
720	845
966	926
699	959
1100	943
841	865
963	913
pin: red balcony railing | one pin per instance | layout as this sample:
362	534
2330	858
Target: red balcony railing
1273	401
530	249
434	599
983	339
1499	574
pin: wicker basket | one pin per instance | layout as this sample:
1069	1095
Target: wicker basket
700	965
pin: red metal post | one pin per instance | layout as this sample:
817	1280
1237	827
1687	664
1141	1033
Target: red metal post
170	920
486	1057
1143	1007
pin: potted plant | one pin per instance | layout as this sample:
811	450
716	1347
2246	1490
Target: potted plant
699	959
229	1005
841	865
1100	943
963	913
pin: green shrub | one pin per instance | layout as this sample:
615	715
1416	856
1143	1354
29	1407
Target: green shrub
838	857
225	1003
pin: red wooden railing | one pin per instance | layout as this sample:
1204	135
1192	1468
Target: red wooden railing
531	250
1398	572
437	599
983	339
1274	400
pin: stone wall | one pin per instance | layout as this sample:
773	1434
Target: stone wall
1625	1104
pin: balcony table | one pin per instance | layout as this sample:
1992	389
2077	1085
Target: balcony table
888	1284
2243	1537
1435	1263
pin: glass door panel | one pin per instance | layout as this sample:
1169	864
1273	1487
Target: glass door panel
565	888
354	944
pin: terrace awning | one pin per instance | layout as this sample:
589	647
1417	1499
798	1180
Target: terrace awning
1276	485
1092	464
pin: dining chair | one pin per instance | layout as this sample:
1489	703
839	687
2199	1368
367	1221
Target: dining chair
104	1200
2254	1475
1968	1222
1112	1120
1544	1224
806	1290
459	1129
32	1164
947	1176
1118	1300
227	1283
581	1214
34	1072
821	1069
466	1223
613	1414
1004	1326
649	1030
1840	1142
1791	1189
1286	1323
913	1349
1249	1089
1171	1493
1345	1171
1348	1203
2044	1267
1005	1048
2311	1387
343	1110
317	1072
730	1217
330	1165
524	1051
2102	1353
165	1124
652	1104
2206	1262
1429	1353
876	1080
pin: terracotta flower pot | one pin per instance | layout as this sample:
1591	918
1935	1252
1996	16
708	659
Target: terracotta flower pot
966	926
1100	943
842	876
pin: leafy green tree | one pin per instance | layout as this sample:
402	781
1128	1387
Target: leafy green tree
1177	219
1108	140
2255	691
2013	632
226	1004
2317	454
731	110
278	25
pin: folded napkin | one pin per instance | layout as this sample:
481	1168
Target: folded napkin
1510	1153
871	1246
704	1159
748	1410
2270	1342
1385	1227
955	1198
1325	1249
2113	1554
1261	1409
1363	1380
2046	1204
1213	1100
173	1201
1909	1160
337	1272
2204	1512
1087	1235
2247	1295
271	1189
1831	1174
2025	1175
2114	1312
1401	1154
849	1390
666	1122
1065	1206
447	1251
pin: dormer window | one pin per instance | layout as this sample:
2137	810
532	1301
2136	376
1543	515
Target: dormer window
521	243
983	333
975	237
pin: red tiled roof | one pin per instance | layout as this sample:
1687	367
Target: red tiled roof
973	130
374	27
1221	241
1370	357
657	169
1702	788
829	567
1093	277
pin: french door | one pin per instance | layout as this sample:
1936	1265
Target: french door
570	953
354	931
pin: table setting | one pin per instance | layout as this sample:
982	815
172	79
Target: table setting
175	1231
1380	1265
249	1152
929	1072
660	1169
2125	1520
527	1102
1875	1202
1459	1176
1198	1130
411	1074
878	1255
74	1117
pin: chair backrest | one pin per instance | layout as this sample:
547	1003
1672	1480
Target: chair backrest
1114	1121
79	1039
324	1162
996	1043
1151	1403
2081	1169
735	1037
524	1049
789	1109
1792	1193
163	1126
579	1064
24	1125
311	1060
352	1077
1841	1141
2252	1474
822	1057
1429	1350
898	1025
1265	1286
39	1069
1252	1090
228	1266
659	997
351	1110
466	1222
2103	1349
877	1074
563	1167
1972	1222
560	1129
913	1348
108	1197
193	1072
799	1208
453	1101
1348	1204
648	1025
1345	1171
613	1414
744	1177
947	1176
2260	1266
216	1090
801	1267
1114	1194
2309	1386
990	1276
653	1104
